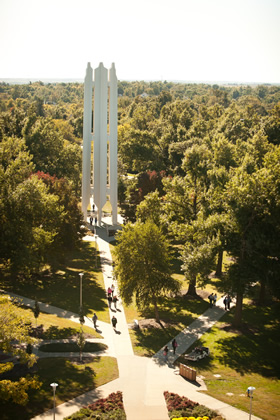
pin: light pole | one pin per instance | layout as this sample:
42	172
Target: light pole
95	238
54	385
81	289
250	391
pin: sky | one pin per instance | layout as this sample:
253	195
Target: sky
184	40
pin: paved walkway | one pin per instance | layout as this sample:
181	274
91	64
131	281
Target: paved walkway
142	380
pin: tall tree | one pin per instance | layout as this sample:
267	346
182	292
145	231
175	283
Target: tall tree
143	265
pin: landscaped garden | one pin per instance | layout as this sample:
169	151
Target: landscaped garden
240	358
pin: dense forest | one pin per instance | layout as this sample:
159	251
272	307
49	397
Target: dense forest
202	161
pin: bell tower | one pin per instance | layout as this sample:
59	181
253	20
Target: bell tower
100	133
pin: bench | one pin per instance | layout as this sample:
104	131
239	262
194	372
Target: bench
187	372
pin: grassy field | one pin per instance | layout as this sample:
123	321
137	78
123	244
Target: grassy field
243	358
62	289
73	379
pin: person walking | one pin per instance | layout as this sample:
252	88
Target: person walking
94	319
225	302
112	289
165	353
115	299
211	297
228	302
215	299
174	345
110	299
109	291
114	322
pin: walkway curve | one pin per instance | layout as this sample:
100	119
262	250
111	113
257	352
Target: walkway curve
142	380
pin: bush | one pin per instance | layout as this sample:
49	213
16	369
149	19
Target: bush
179	407
201	411
110	408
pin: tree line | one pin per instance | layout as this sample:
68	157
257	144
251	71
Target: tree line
202	161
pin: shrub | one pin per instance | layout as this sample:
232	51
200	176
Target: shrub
201	411
182	407
110	408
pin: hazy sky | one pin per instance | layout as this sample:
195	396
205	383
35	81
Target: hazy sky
194	40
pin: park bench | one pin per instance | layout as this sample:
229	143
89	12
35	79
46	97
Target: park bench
187	372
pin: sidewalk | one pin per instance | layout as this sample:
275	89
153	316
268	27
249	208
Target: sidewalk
142	380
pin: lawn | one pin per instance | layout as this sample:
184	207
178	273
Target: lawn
56	328
243	358
73	379
62	289
175	313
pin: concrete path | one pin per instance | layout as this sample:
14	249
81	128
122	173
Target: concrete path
142	380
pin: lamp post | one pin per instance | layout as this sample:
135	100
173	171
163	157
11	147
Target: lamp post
81	289
54	385
95	238
250	391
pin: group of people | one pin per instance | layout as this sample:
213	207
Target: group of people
212	299
112	297
226	302
174	346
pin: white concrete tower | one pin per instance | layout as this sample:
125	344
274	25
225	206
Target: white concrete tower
100	161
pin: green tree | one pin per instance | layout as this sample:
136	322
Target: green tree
14	339
143	265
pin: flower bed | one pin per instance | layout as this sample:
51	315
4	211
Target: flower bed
102	409
181	408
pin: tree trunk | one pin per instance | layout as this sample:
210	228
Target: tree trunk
219	263
238	310
262	292
156	310
192	287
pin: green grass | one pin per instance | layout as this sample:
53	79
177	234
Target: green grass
55	327
72	379
246	357
176	313
72	347
62	289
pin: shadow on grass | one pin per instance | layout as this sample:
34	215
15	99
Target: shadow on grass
255	347
72	347
62	289
71	379
175	314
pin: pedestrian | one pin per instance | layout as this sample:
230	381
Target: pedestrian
110	299
94	319
215	299
95	221
115	299
228	302
174	345
91	220
165	353
114	322
225	301
113	289
210	297
109	291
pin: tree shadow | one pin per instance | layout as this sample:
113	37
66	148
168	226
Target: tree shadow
70	379
62	288
255	346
